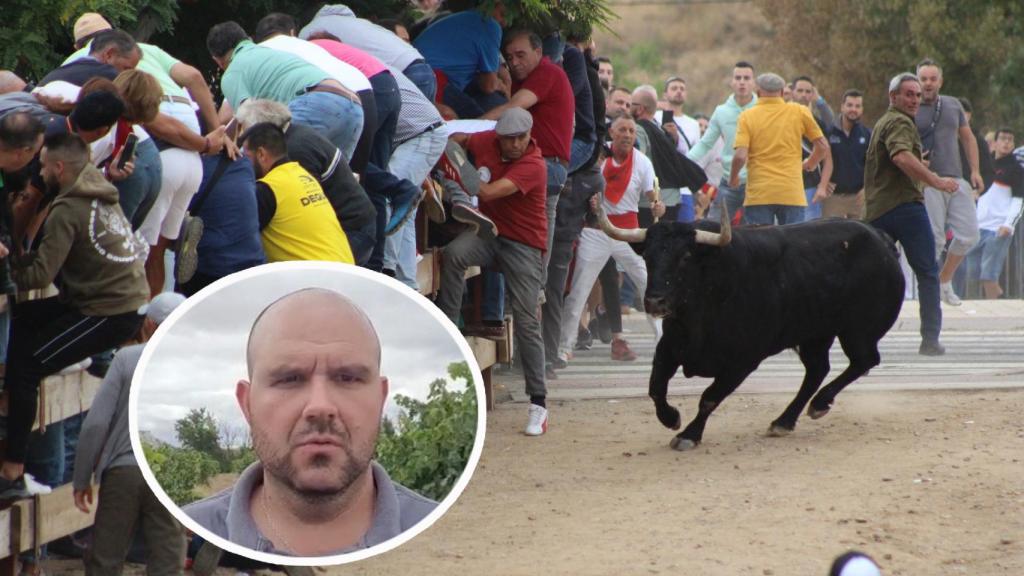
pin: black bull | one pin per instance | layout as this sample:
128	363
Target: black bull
732	299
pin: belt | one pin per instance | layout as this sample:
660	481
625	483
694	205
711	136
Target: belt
434	126
176	99
337	91
557	160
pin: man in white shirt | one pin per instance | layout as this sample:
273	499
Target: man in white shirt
628	173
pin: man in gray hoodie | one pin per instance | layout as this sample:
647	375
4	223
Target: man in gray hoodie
105	448
89	242
382	43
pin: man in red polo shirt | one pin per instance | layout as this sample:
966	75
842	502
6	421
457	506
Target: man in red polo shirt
540	86
512	194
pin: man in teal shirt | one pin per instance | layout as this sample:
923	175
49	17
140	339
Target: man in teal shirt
314	98
723	125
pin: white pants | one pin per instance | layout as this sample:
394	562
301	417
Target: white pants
592	254
182	175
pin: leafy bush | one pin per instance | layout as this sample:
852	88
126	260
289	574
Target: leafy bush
429	447
179	470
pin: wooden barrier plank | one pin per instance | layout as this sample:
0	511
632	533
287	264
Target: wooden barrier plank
65	395
486	353
5	533
57	516
427	272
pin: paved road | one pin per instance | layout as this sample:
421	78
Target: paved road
984	342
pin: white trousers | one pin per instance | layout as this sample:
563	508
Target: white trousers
592	254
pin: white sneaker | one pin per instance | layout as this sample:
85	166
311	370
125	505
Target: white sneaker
538	422
948	295
33	487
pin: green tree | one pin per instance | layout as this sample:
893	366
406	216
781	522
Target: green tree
429	447
863	44
198	431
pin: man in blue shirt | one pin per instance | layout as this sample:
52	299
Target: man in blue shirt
466	46
849	141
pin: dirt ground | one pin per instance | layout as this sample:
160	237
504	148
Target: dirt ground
929	483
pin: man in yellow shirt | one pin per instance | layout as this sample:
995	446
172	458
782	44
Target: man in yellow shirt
297	221
768	137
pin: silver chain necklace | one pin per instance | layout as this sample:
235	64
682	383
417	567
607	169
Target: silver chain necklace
276	534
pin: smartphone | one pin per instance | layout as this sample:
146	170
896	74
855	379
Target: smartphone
667	116
128	152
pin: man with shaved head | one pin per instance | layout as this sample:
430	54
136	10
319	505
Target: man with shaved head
677	174
314	400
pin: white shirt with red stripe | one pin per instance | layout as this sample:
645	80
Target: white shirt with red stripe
640	181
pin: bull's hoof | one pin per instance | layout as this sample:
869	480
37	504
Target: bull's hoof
778	431
682	444
669	417
816	413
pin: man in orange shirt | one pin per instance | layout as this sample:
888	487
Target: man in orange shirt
768	137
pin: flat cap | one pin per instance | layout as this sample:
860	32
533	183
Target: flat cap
513	122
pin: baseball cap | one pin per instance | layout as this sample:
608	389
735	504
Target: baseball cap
161	306
90	23
513	122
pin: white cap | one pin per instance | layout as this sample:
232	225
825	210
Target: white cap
161	306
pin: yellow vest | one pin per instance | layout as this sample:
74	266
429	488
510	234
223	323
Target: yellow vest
304	226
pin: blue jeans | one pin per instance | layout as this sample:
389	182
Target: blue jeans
813	210
732	197
985	261
389	102
768	214
471	102
362	242
337	118
908	224
422	75
581	152
492	303
686	212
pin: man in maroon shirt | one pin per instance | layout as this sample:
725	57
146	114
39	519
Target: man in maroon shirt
540	86
512	194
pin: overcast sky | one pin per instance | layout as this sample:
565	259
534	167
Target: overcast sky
201	356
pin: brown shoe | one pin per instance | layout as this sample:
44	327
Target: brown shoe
488	331
621	351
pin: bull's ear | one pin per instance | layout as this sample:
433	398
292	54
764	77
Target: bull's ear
639	247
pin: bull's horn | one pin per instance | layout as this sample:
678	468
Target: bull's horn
623	234
720	239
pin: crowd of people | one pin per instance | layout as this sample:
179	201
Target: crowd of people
331	133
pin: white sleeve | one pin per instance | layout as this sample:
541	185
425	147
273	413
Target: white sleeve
1013	213
646	176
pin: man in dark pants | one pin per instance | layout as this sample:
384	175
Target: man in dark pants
105	448
895	203
88	241
513	195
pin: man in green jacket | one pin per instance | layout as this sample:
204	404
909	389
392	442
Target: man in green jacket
723	125
89	242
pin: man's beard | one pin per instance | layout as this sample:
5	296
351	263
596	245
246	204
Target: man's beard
279	463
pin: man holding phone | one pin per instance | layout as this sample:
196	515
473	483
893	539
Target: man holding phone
942	126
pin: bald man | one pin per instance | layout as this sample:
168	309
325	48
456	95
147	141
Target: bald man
314	401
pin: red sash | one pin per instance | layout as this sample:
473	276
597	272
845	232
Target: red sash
617	178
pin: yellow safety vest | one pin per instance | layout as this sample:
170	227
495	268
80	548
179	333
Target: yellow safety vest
304	226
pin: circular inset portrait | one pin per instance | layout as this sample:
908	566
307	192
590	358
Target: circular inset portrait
307	413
